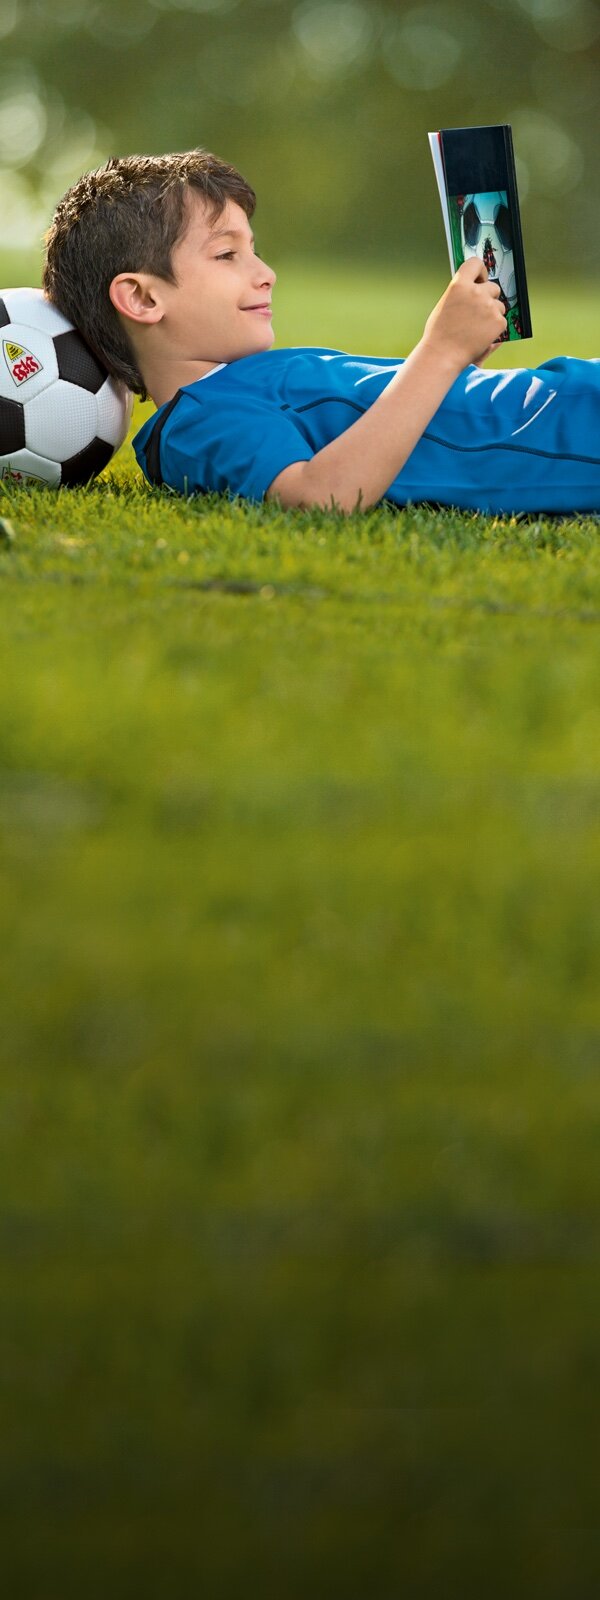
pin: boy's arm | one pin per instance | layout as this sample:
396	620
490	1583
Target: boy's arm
369	455
362	462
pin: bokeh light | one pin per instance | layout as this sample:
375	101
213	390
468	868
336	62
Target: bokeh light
554	160
334	36
8	17
22	122
419	52
566	24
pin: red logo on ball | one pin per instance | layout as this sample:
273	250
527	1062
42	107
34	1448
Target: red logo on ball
21	363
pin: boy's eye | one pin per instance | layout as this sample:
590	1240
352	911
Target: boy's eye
227	254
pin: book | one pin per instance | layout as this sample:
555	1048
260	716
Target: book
477	181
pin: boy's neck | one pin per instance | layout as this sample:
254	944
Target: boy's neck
163	380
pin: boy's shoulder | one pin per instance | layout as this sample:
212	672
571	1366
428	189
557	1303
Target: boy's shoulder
259	371
234	428
258	375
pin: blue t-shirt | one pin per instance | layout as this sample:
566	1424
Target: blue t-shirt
515	440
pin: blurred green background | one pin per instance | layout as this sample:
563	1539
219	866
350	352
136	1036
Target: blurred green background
324	105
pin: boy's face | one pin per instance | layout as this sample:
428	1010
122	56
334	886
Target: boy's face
218	279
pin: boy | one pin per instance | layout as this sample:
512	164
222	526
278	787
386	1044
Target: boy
153	259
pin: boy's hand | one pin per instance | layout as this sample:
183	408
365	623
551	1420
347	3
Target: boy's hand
468	322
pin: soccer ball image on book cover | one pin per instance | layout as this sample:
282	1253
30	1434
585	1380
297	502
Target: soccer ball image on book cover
62	418
482	223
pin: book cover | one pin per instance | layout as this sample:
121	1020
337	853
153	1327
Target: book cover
476	178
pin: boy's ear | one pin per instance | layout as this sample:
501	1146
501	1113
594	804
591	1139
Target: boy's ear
134	295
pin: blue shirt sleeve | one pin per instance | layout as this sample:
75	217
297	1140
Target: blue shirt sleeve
223	445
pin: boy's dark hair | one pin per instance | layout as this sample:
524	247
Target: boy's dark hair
126	217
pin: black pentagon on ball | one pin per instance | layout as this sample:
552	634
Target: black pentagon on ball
12	426
4	317
471	224
77	363
86	464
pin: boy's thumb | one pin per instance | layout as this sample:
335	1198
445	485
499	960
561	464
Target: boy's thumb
474	269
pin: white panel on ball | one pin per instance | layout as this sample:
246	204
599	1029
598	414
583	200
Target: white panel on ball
60	424
115	405
28	362
24	466
31	307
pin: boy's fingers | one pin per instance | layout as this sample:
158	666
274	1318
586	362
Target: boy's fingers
475	269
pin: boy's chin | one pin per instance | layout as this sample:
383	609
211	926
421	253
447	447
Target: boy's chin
256	341
263	337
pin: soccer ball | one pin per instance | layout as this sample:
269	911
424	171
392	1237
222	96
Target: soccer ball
485	231
61	416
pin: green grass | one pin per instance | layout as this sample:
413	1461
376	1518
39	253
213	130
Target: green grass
299	1047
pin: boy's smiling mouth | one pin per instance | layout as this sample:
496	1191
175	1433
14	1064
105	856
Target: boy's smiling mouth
265	308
